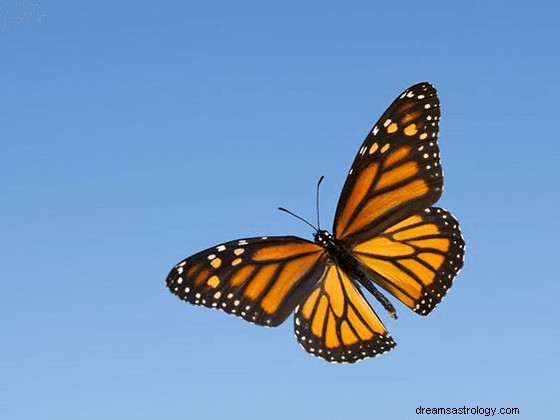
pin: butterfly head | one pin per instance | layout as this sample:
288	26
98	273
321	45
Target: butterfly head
323	238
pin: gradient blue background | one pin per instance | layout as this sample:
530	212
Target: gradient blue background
135	134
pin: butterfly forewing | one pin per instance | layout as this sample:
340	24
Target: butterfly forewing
397	172
337	323
417	259
261	280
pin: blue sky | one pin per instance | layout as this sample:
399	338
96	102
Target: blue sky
135	134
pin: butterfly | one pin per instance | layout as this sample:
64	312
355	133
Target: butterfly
385	233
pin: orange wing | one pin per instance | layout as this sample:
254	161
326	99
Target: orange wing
261	280
417	259
336	322
397	171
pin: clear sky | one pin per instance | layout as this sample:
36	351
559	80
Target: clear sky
135	134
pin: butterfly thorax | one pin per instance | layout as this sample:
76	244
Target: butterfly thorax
340	255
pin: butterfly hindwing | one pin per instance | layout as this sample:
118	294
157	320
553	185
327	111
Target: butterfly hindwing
261	280
416	259
336	323
397	171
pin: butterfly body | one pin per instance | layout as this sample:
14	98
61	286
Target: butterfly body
386	232
341	256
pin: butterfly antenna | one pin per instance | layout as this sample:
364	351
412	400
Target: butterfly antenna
297	217
317	204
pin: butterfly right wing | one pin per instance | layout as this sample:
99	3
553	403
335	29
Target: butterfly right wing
336	323
260	280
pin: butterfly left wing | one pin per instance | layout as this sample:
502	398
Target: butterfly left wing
260	280
417	259
337	323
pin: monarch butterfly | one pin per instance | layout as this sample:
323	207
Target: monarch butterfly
385	232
